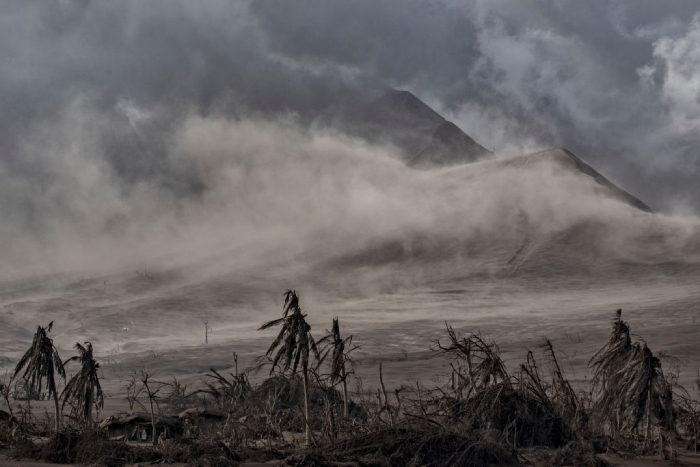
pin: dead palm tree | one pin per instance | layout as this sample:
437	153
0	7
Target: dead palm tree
293	345
608	364
84	388
339	357
641	389
479	364
632	384
40	363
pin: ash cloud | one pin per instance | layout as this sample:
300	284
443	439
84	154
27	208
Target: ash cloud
528	74
104	105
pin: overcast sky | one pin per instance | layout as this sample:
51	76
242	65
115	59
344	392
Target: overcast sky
617	83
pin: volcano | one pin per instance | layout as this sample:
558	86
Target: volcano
520	247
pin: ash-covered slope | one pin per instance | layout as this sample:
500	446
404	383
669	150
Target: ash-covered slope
425	138
568	160
542	219
529	244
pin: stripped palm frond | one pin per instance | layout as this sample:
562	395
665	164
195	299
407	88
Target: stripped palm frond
631	384
84	389
608	361
40	363
532	383
337	348
639	391
478	359
563	395
293	346
294	343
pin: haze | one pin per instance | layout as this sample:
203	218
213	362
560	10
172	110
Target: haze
165	162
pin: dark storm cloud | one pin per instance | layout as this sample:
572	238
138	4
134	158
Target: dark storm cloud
526	73
104	63
158	53
94	92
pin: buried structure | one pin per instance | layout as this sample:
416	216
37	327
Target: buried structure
201	420
139	426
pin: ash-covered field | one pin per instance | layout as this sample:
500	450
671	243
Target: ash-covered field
519	248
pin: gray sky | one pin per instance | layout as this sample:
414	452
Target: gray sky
111	82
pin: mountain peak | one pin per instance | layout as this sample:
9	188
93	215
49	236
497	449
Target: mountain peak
406	105
426	138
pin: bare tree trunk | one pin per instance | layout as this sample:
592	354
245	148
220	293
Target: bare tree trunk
12	414
6	396
88	419
345	393
648	414
330	418
58	411
306	404
386	399
153	421
150	401
398	402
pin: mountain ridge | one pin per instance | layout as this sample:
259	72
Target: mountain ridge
426	139
429	141
566	157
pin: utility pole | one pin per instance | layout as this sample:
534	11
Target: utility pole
207	328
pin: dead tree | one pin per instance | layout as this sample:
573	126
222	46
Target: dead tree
133	391
293	344
337	348
479	364
632	387
152	389
40	364
84	389
5	390
384	402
